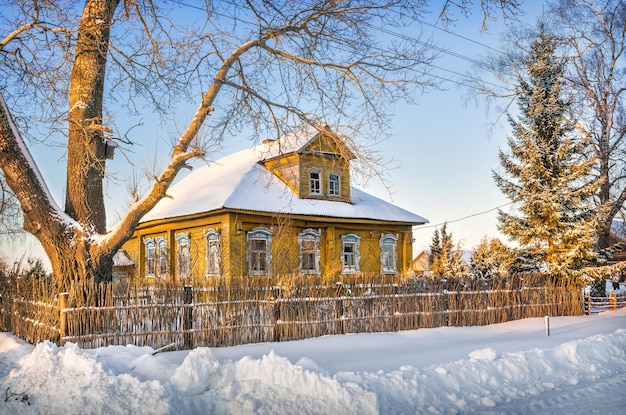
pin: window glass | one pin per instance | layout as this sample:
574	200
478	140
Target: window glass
213	253
184	255
309	251
315	188
258	253
162	257
150	257
350	256
333	184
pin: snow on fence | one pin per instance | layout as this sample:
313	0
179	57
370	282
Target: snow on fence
248	312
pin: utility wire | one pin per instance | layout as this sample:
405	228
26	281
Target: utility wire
420	227
407	38
459	36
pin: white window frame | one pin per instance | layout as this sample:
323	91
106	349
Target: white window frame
151	255
162	260
334	186
315	184
350	259
388	254
304	237
184	255
213	259
257	257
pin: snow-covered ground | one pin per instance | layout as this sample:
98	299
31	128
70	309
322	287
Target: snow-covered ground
500	369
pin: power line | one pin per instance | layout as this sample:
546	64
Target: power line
460	36
407	38
420	227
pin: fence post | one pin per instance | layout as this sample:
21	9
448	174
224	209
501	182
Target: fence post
612	300
277	314
188	316
339	307
63	300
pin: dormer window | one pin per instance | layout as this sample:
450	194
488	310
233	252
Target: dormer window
315	188
333	185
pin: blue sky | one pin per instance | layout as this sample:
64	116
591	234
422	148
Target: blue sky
444	148
447	146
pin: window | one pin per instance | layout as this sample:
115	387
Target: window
184	255
213	257
150	257
156	257
333	185
309	251
314	181
259	256
350	256
388	257
162	256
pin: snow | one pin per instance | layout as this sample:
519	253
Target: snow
25	152
507	368
239	181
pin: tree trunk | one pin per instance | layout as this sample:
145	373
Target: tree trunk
86	148
68	237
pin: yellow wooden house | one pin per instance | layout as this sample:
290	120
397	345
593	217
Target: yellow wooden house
283	207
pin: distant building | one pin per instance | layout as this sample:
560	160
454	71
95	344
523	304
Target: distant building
123	266
420	264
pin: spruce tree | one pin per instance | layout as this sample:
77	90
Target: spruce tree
435	248
445	258
491	258
544	172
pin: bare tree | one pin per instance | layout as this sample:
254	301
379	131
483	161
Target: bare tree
267	65
594	33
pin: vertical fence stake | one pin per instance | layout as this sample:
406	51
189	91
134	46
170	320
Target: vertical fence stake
188	316
277	314
63	299
547	324
395	315
339	308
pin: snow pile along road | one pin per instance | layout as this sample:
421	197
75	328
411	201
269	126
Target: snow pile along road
495	378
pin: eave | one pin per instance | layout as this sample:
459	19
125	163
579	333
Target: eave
305	218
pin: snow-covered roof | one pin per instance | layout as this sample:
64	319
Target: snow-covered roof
239	181
122	259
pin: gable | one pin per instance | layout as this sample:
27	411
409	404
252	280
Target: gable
327	145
